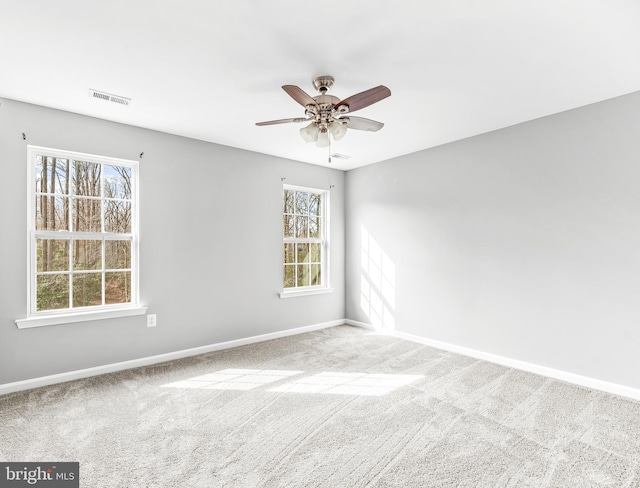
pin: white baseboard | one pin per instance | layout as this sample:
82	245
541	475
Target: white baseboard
585	381
362	325
160	358
557	374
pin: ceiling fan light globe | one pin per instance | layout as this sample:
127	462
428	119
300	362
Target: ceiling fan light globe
323	139
337	130
310	132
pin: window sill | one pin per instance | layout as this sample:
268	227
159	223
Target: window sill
304	293
69	318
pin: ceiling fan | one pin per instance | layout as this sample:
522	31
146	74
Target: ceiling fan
326	113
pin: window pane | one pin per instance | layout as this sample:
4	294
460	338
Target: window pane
87	254
289	276
52	213
86	178
52	292
86	215
288	223
304	275
117	216
315	206
303	252
289	253
302	227
52	175
117	287
316	274
288	201
87	289
52	255
314	227
316	253
302	203
117	182
117	254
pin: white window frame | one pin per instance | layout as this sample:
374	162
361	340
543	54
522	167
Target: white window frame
324	240
69	315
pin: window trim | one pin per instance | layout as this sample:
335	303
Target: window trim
295	292
84	316
325	287
69	315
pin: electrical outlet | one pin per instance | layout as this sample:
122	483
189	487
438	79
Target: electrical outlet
151	320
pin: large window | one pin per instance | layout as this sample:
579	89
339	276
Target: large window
83	232
305	239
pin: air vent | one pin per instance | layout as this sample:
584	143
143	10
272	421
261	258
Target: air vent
340	156
109	97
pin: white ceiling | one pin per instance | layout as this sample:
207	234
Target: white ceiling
210	69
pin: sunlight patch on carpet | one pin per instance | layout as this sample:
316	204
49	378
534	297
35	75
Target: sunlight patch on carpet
330	382
234	379
348	383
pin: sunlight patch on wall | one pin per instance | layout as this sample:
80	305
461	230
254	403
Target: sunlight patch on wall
234	379
377	283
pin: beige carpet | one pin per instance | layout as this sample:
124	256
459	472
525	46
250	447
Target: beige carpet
339	407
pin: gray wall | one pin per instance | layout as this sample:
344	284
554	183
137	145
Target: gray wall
210	245
523	242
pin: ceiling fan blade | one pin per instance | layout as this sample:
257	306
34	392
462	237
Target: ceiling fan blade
360	123
299	95
284	121
363	99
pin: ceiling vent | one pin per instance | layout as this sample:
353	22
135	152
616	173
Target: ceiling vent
109	97
340	156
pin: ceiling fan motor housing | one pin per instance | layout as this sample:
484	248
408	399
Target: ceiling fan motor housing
323	84
323	112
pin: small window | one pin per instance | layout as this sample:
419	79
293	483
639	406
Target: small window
83	232
305	239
